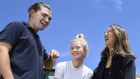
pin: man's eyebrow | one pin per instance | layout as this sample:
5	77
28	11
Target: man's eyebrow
50	18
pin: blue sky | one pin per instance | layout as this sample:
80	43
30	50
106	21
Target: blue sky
71	17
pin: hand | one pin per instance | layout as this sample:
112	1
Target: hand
53	54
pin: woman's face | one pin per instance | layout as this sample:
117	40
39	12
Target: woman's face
77	50
110	37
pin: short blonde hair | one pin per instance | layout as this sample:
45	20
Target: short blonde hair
81	38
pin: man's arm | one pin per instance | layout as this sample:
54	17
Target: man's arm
5	68
50	62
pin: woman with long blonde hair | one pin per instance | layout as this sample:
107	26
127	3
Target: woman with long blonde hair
117	60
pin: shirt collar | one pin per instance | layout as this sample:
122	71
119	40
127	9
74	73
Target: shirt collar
31	29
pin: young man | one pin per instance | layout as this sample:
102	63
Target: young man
22	55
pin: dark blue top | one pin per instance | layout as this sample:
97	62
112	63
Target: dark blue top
27	52
121	68
106	73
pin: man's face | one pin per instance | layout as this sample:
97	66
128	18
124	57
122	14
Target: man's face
41	18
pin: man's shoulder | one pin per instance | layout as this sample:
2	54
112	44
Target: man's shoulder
15	22
17	26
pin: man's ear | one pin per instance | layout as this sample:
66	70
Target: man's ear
32	12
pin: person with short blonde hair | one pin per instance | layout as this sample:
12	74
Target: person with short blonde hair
75	68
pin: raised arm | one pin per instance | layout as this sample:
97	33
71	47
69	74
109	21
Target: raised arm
50	62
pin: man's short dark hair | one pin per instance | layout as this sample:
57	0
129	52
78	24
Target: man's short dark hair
37	6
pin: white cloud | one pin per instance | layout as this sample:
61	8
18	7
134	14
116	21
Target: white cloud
117	4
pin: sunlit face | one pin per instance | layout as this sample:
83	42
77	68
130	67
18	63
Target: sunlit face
77	50
110	37
41	18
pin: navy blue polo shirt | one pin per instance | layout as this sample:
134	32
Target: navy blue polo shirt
27	54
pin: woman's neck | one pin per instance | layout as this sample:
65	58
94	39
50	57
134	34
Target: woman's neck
111	51
77	63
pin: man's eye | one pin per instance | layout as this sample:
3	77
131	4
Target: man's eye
50	18
44	15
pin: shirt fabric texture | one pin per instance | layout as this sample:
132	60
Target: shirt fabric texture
121	68
27	54
66	70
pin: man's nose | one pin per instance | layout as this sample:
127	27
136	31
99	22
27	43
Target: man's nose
47	19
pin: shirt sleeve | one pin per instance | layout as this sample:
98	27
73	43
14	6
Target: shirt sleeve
45	55
59	71
89	75
130	70
11	33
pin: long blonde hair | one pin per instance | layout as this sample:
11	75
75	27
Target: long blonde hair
121	45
